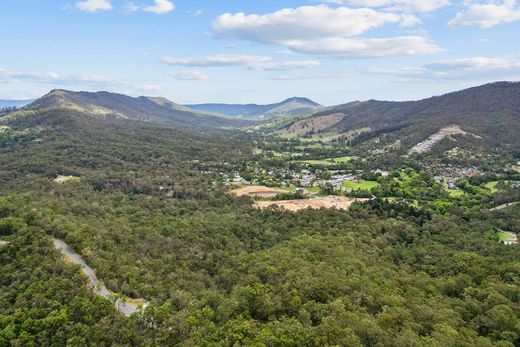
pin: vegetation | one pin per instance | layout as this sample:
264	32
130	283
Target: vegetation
417	264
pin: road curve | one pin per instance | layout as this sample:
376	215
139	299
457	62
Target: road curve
98	287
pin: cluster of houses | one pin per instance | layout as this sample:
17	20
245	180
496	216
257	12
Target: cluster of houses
449	175
304	178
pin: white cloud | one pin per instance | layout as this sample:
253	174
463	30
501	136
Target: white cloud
402	5
366	48
323	30
252	62
409	20
131	7
488	14
216	60
310	22
160	7
93	5
456	69
189	75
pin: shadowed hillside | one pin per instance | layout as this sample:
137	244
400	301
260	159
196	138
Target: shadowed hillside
491	111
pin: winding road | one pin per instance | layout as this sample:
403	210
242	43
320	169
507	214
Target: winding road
99	288
501	207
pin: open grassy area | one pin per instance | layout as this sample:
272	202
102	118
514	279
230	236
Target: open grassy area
325	162
504	236
357	185
316	162
275	154
492	186
341	160
455	193
313	146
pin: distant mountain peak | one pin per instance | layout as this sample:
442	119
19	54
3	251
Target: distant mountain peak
289	107
301	100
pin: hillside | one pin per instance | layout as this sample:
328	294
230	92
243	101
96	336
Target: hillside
119	106
291	106
491	112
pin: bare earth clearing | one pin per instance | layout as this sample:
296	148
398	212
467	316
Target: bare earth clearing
63	179
426	145
339	202
258	191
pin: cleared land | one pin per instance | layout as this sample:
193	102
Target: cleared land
325	162
258	191
426	145
339	202
508	238
357	185
63	179
455	193
492	186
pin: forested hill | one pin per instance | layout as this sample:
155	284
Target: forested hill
491	111
291	106
119	106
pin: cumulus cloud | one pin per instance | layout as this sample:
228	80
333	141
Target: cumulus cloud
189	75
366	48
93	5
252	62
487	14
160	7
398	5
323	30
311	22
456	69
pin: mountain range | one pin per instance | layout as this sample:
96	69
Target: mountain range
490	112
119	106
289	107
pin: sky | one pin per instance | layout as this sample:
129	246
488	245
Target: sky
236	51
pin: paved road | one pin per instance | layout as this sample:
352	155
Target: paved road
98	287
501	207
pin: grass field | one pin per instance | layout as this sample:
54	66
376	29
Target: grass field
366	185
313	146
316	162
455	193
325	162
276	154
492	186
504	236
341	160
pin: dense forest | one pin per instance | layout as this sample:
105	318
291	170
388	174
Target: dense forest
148	212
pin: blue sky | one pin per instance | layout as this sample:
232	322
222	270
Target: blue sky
332	51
